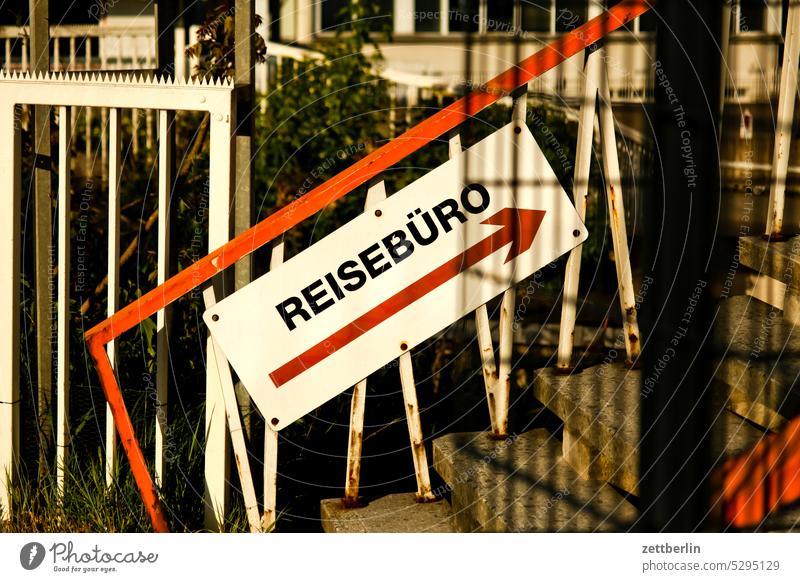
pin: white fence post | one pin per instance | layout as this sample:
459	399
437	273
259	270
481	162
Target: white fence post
114	175
62	355
10	231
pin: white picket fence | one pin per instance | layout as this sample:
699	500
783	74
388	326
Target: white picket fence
113	94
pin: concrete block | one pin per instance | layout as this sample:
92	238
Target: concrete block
523	484
759	358
396	513
600	409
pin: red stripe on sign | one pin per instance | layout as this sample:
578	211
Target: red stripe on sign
519	227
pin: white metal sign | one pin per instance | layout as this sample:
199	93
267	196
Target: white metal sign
394	276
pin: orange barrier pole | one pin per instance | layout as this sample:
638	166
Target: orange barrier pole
126	435
292	214
756	482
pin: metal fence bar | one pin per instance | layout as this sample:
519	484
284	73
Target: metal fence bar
148	132
783	129
114	176
580	194
166	141
135	131
271	438
217	363
375	195
62	363
10	230
616	212
88	116
104	143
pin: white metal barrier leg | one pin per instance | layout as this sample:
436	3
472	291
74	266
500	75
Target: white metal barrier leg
580	193
484	332
271	439
219	365
424	492
616	211
270	479
375	194
507	305
783	130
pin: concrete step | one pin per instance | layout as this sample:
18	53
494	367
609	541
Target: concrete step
600	409
759	352
396	513
522	484
779	260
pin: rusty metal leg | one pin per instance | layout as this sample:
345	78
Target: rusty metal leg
783	130
506	328
484	332
270	515
580	193
375	194
354	443
619	236
424	492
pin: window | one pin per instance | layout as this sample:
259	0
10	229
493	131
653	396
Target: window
536	15
648	21
381	15
751	15
570	14
426	16
500	16
463	15
335	13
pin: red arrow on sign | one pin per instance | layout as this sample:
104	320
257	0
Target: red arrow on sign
519	227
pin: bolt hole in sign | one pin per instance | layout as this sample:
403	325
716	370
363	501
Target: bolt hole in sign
390	279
